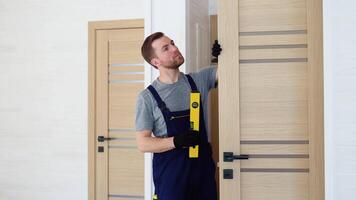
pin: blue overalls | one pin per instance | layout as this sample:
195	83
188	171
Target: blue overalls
175	175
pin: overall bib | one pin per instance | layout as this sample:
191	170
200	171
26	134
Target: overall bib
175	175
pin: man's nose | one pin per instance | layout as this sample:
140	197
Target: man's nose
174	48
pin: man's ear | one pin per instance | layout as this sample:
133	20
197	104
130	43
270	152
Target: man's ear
155	61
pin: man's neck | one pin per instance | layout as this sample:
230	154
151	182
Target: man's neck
168	76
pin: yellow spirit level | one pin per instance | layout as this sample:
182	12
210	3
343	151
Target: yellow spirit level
194	120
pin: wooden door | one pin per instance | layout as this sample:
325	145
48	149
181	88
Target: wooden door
214	102
116	74
271	99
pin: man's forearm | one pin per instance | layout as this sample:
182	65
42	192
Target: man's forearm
155	145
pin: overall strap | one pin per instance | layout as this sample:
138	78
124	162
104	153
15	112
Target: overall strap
160	103
192	84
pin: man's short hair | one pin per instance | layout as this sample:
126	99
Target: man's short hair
147	50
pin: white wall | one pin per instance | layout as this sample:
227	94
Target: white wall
198	36
213	7
167	17
340	98
43	87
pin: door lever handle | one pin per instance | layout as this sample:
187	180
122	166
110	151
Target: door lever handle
102	138
229	157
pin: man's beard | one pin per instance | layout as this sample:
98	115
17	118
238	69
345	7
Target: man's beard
175	64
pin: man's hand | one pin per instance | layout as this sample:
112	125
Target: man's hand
216	49
187	139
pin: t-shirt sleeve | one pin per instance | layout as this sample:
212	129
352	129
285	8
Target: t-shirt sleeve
144	115
209	76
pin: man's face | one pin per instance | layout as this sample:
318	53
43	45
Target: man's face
167	54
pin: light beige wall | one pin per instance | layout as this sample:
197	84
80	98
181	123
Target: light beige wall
340	98
43	86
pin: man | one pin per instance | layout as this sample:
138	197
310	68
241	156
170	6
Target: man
163	110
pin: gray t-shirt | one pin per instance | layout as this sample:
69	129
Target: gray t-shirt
177	98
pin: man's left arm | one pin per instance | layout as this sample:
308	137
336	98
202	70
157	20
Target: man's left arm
216	76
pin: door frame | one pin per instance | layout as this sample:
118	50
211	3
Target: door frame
93	26
316	99
230	55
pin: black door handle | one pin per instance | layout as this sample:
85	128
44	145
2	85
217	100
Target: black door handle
102	138
229	157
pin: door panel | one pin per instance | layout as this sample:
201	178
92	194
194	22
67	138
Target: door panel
265	101
126	163
271	149
125	169
296	39
266	163
272	15
270	185
125	46
273	82
253	54
122	101
119	77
